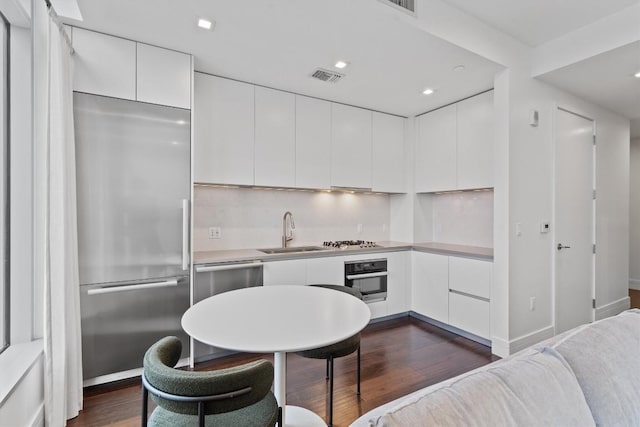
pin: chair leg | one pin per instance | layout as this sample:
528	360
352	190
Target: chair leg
326	376
358	371
330	423
201	414
145	403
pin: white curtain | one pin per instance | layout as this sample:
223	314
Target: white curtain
63	357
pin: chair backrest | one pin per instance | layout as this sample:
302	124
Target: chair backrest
159	371
346	289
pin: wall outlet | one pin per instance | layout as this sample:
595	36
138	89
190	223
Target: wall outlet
215	232
359	228
532	304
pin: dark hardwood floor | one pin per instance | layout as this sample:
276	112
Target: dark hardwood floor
635	298
398	356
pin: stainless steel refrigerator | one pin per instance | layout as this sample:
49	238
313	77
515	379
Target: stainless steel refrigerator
133	189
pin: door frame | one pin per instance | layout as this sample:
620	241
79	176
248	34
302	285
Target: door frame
554	122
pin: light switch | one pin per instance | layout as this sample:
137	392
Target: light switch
518	229
545	227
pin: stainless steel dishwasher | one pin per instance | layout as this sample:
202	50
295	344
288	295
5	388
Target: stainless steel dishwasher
216	279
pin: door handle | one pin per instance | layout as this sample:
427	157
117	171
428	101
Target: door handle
185	234
561	247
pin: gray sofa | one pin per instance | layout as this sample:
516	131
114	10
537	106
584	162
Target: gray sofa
587	376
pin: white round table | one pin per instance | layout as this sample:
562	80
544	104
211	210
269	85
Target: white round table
277	319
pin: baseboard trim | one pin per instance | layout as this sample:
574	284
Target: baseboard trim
504	348
450	328
634	284
388	317
38	418
613	308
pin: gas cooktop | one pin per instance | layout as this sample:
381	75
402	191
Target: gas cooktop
345	244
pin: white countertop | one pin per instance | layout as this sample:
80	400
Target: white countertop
239	255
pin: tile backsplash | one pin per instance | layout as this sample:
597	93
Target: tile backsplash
252	218
463	218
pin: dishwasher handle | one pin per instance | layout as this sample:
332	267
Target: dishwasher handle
226	267
367	275
136	287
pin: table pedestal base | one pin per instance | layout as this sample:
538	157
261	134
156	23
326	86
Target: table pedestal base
301	417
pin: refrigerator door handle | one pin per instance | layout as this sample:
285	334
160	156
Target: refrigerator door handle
185	234
113	289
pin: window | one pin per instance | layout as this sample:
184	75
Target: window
4	187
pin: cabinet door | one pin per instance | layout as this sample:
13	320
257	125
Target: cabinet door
325	271
275	150
398	282
470	276
223	131
388	169
163	76
103	65
430	287
292	272
313	142
350	146
470	314
435	156
475	142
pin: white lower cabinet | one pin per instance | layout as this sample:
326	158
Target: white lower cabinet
470	314
325	271
453	290
397	282
430	286
290	272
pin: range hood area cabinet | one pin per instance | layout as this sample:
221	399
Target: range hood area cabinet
252	135
121	68
454	146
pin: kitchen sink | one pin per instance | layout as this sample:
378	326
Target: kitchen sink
292	249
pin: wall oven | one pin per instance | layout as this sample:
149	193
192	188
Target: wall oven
369	277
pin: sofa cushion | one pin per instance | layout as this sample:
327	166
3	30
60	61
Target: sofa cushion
536	388
605	358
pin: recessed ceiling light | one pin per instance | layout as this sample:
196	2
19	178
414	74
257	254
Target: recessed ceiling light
637	75
459	68
205	23
341	64
428	91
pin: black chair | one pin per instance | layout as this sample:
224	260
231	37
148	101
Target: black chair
237	396
339	349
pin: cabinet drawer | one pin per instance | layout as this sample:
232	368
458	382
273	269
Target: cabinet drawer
470	314
470	276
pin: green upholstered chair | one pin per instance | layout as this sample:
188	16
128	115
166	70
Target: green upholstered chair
237	396
339	349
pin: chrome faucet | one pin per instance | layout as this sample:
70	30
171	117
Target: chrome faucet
287	237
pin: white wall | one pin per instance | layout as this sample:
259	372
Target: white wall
529	190
252	218
634	241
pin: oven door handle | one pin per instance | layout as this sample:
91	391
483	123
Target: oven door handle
367	275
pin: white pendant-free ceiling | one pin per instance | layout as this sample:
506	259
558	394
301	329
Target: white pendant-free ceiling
280	43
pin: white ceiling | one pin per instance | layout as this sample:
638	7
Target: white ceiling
279	43
535	22
606	79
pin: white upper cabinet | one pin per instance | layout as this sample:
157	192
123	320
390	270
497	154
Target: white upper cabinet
104	65
275	145
350	146
163	76
435	155
120	68
454	148
475	142
313	143
388	170
224	131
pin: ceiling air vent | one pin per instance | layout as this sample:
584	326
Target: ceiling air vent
404	4
326	76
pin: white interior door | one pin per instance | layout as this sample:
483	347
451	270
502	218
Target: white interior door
574	220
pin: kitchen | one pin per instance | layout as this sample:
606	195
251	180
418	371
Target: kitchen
339	193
